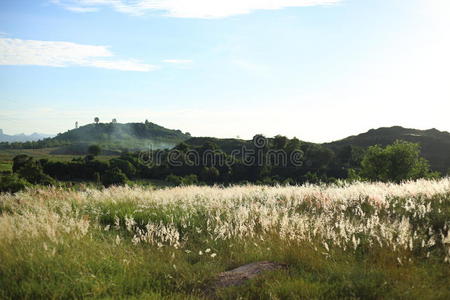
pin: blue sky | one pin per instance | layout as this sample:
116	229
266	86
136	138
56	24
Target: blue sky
316	69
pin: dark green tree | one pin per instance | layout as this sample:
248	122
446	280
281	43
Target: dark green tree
12	183
20	161
94	150
125	166
33	173
397	162
280	142
293	145
114	176
209	174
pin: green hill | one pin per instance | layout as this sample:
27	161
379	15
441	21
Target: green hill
116	132
129	135
435	144
111	136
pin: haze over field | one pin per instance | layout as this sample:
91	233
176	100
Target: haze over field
320	70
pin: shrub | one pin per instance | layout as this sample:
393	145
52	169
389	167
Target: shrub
114	176
12	183
176	180
125	166
20	161
31	170
94	150
179	180
397	162
33	173
190	180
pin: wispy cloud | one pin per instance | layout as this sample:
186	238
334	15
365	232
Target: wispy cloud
189	8
64	54
250	66
177	61
81	9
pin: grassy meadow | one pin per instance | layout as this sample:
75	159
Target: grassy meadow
352	241
7	155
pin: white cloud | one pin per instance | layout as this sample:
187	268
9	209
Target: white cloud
190	8
251	66
81	9
63	54
177	61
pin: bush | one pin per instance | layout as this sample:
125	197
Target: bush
114	176
179	180
35	175
125	166
31	170
94	150
209	175
12	183
176	180
20	161
397	162
190	180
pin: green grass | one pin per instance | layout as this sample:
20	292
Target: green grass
100	268
7	155
5	166
57	262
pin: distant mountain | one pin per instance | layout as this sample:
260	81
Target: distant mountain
435	144
22	137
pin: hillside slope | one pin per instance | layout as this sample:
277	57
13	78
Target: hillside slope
111	136
117	131
129	135
435	144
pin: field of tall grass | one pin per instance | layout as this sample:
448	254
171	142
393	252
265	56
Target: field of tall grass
357	241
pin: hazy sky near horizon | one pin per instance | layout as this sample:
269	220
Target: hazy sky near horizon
319	70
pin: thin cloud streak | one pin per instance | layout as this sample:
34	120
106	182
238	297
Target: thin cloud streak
64	54
206	9
177	61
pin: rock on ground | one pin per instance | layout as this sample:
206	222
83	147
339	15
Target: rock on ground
243	273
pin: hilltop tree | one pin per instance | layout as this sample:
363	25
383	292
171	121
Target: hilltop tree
280	142
294	144
114	121
96	120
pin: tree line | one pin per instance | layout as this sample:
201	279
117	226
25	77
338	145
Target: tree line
397	162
